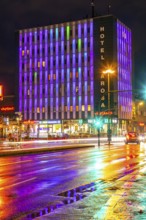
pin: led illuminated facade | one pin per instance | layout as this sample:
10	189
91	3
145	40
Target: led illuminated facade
60	70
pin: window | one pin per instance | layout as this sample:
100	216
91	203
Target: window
77	108
83	108
43	63
89	107
38	110
38	51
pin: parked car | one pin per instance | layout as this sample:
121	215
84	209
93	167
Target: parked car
132	137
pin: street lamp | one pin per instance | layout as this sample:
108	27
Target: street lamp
98	125
108	72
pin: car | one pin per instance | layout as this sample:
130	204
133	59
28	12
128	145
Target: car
132	137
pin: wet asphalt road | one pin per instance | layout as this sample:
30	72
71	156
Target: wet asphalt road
31	182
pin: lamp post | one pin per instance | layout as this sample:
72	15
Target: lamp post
98	125
108	72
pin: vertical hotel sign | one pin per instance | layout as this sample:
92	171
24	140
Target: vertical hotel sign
102	59
1	92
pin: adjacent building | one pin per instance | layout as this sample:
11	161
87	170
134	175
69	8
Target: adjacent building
62	84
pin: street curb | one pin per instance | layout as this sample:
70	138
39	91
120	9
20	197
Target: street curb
42	150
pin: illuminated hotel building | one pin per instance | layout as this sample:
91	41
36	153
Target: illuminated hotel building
61	72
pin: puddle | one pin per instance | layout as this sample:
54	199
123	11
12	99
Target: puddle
70	196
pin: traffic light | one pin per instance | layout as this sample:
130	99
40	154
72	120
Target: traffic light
98	122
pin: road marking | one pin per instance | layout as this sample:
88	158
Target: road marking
16	184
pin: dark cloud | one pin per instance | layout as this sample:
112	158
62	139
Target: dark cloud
19	14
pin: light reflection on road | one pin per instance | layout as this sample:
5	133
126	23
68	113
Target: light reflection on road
28	182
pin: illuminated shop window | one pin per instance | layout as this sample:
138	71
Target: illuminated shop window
39	64
38	110
49	76
54	76
71	108
22	52
65	108
77	74
77	108
28	92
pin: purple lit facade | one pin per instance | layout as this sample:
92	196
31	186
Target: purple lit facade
113	49
124	69
59	70
56	75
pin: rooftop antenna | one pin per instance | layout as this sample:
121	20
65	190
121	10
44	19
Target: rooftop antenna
92	8
109	7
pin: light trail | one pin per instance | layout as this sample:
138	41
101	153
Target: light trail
18	162
16	184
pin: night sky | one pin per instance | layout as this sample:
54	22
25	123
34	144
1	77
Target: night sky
20	14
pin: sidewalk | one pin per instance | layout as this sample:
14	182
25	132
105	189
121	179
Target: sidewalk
36	146
123	199
40	146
